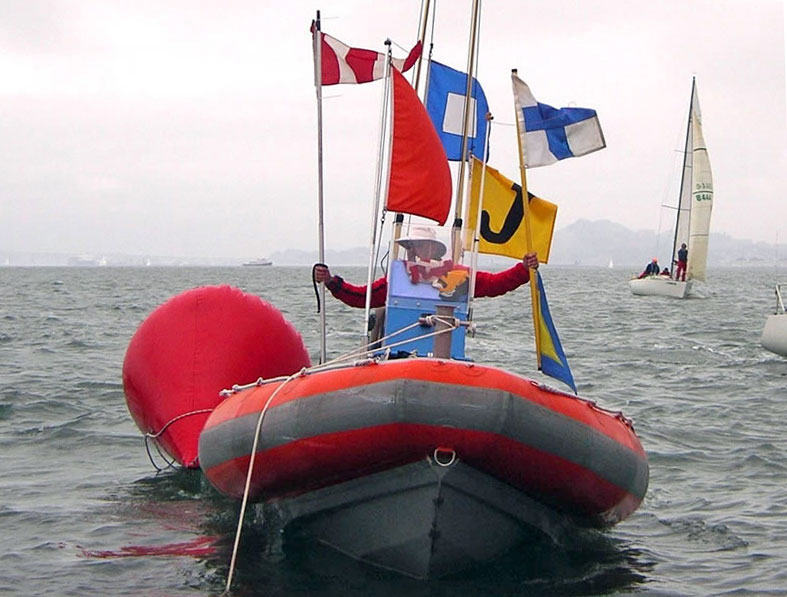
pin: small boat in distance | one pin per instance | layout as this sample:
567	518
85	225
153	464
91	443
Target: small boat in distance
774	334
259	261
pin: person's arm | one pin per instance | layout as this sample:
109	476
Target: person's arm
350	294
488	284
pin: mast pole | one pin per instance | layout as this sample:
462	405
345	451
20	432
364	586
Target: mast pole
520	137
317	49
456	233
477	231
377	191
682	179
399	218
422	39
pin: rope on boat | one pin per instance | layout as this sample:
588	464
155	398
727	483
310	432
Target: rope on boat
362	356
154	436
249	473
363	351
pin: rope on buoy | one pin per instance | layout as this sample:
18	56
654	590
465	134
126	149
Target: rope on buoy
170	463
155	436
249	472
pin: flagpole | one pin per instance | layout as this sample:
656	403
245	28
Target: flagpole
456	233
422	39
317	48
526	201
399	218
377	191
476	232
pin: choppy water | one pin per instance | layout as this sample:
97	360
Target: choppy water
82	511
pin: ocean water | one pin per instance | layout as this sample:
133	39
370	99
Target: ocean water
83	511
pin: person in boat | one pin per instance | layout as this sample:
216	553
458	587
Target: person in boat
683	257
425	263
651	269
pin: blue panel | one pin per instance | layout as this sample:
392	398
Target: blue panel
407	302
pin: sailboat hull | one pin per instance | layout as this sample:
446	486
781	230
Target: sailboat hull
774	334
660	286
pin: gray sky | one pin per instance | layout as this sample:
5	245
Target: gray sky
189	128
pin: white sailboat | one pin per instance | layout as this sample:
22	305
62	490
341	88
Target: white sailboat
692	222
774	334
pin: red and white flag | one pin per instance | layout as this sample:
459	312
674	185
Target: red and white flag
343	64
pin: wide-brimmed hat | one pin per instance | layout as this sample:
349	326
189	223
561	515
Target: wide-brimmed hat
423	234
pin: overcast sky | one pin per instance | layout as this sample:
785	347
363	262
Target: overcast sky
175	127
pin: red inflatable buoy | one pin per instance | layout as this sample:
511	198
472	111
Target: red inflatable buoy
193	346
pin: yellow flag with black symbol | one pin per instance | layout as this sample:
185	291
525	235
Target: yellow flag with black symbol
502	225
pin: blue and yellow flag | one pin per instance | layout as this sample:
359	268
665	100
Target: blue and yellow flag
553	359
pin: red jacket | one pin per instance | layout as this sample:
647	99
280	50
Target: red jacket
486	284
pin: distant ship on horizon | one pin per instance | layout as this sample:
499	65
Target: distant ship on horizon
259	261
83	261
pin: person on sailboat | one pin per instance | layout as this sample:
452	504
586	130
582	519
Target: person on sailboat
683	257
424	263
651	269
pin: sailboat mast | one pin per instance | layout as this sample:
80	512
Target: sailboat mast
682	194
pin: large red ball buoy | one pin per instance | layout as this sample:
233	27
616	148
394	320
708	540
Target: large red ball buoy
193	346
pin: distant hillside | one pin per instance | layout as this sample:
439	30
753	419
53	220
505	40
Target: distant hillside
594	243
583	243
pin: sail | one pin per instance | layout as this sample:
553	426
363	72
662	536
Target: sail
420	179
701	198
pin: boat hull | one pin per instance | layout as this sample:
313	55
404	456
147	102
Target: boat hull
422	519
340	448
660	286
774	334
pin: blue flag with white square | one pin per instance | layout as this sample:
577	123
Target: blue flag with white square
445	103
549	134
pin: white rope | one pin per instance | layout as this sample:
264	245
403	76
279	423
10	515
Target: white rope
451	324
249	473
365	353
182	416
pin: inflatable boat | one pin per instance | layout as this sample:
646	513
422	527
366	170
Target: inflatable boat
424	466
